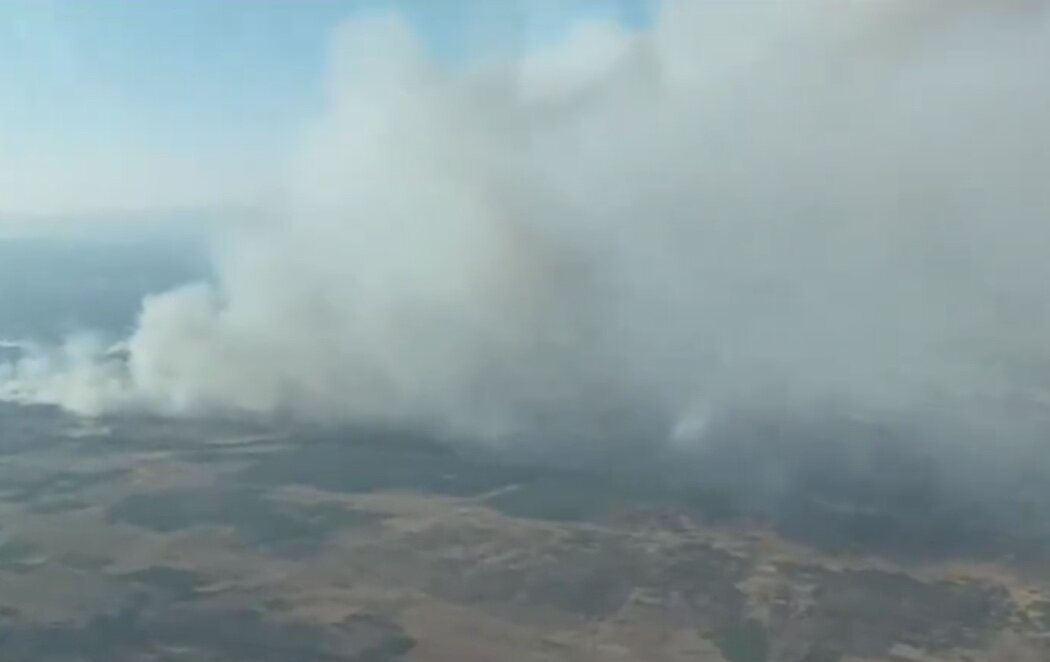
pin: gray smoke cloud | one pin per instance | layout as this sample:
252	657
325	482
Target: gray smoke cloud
795	206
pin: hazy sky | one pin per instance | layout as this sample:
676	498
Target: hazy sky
113	105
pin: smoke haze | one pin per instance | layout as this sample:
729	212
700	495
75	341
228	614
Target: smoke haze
794	206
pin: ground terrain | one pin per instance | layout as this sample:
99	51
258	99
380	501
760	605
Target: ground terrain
149	540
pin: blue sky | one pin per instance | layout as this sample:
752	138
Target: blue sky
166	103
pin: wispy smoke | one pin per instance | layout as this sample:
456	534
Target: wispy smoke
787	205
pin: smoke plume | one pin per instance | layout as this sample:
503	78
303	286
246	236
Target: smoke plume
789	206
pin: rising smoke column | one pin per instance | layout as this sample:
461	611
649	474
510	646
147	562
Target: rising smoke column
798	205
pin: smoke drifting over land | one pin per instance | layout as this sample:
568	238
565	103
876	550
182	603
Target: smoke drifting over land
783	206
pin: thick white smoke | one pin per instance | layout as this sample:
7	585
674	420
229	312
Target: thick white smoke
802	203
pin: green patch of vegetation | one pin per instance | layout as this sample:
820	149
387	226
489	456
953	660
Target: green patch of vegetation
261	521
59	505
178	583
745	642
352	467
555	498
